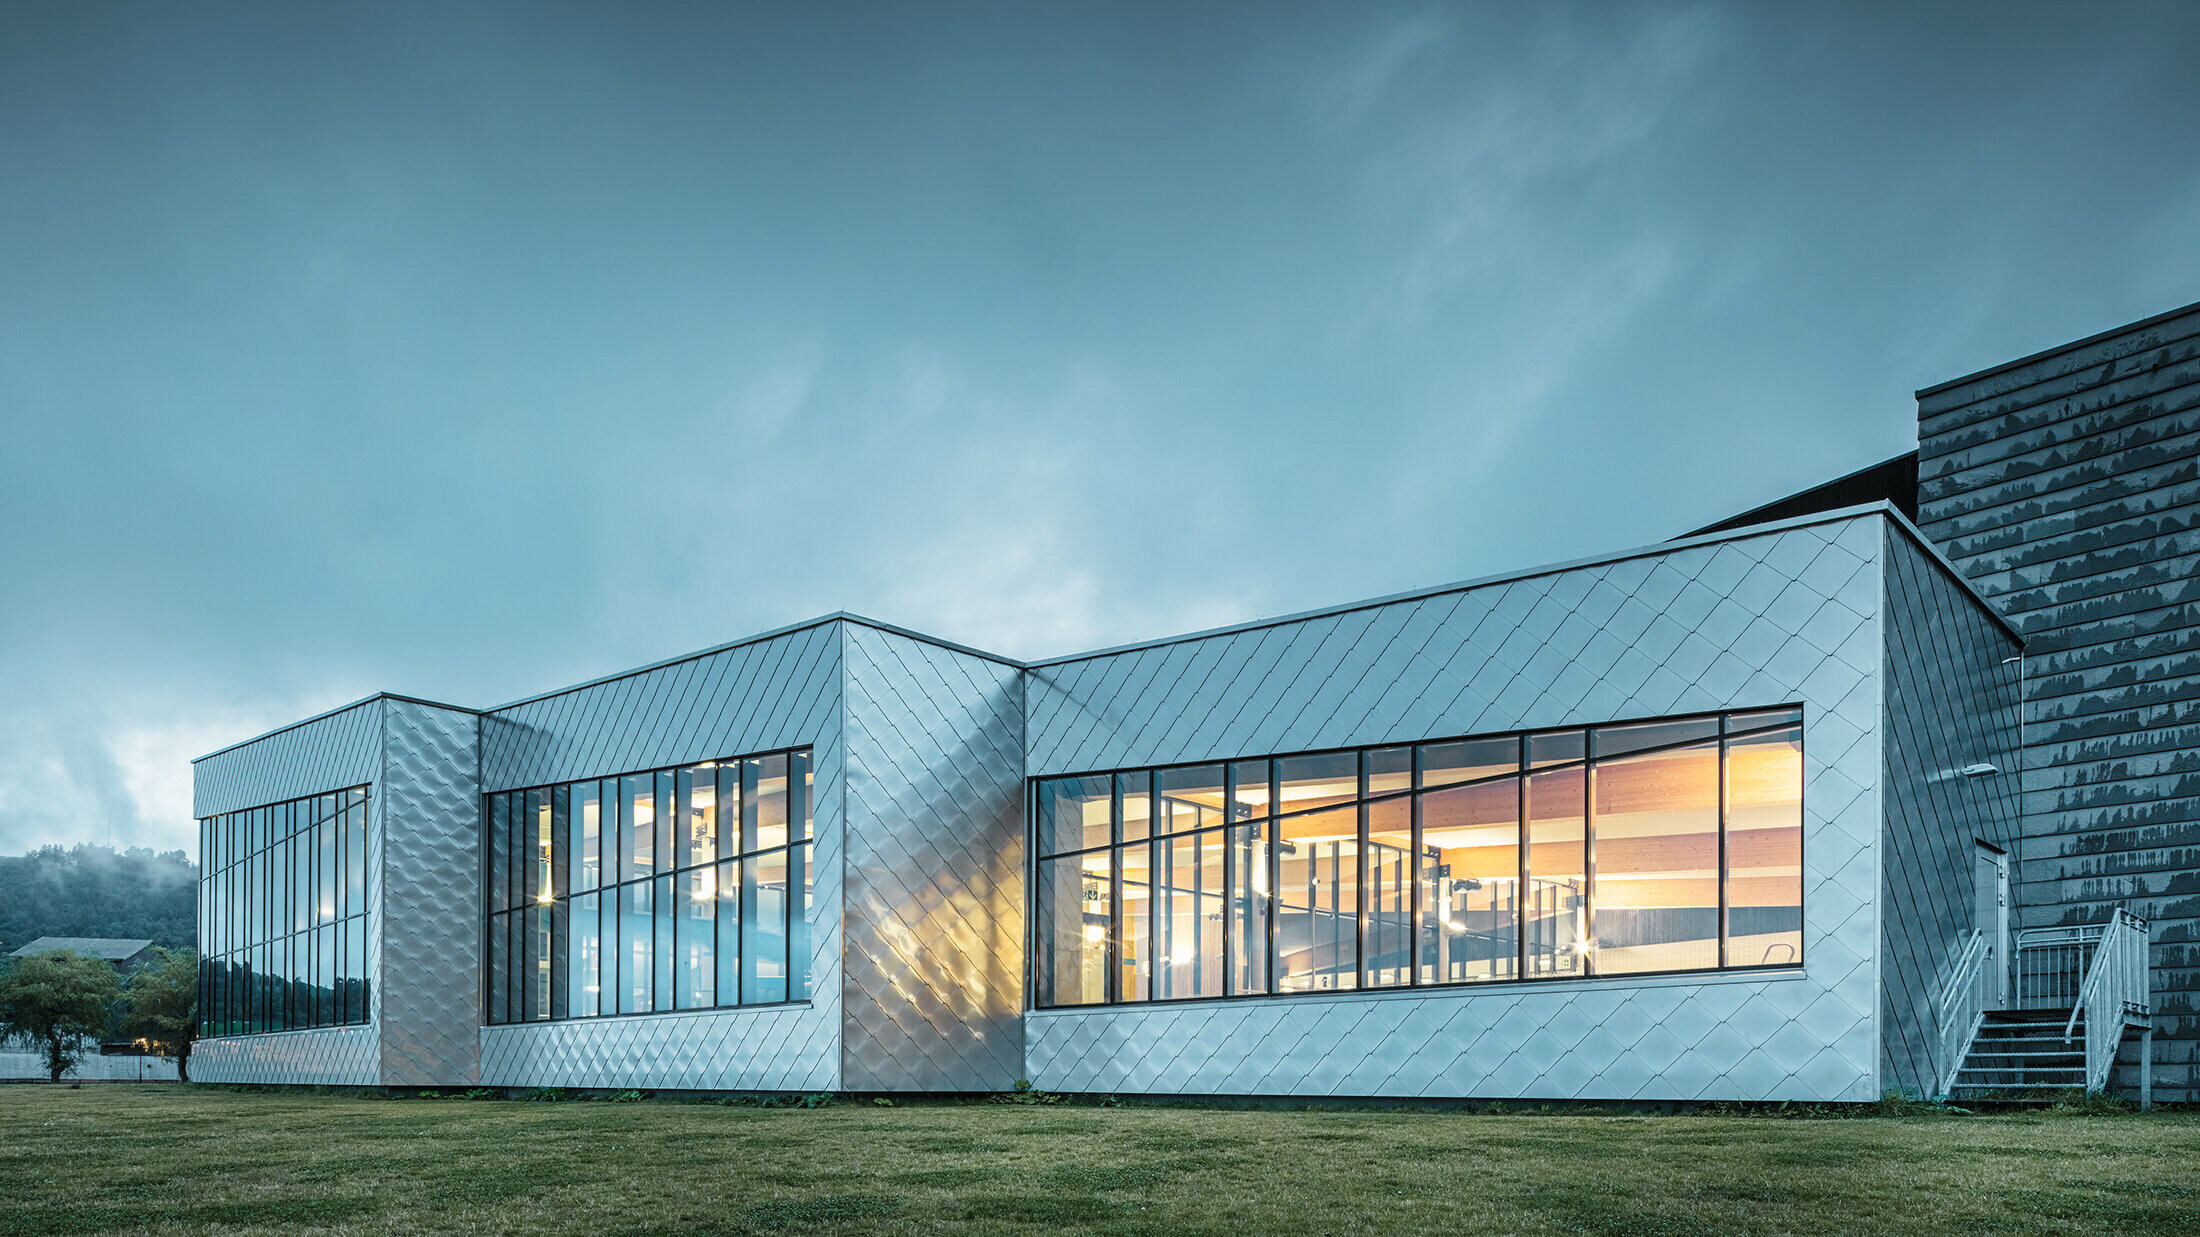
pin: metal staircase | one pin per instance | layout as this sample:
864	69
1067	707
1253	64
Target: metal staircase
2080	993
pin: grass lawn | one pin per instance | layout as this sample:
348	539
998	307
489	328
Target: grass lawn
123	1158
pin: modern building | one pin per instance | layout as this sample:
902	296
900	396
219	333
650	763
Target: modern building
1819	802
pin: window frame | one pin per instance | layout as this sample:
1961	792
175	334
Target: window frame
1724	732
669	870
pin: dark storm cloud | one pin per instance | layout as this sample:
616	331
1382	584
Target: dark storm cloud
468	350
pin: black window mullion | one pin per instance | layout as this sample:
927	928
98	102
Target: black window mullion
1523	902
1724	898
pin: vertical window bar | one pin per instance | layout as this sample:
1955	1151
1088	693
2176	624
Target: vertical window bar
1723	926
1361	891
1524	908
1589	863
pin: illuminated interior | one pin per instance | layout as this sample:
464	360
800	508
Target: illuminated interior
1651	847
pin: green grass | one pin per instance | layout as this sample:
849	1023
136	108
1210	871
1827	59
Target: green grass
110	1159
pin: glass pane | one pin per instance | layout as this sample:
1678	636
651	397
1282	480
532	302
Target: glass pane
1317	781
729	814
1389	876
801	782
355	860
698	934
1134	922
801	919
1764	849
324	992
766	826
1135	791
1073	930
1443	764
500	853
540	840
1557	914
698	795
1389	769
1188	798
1249	908
1073	814
585	817
1317	916
1657	847
584	951
538	963
637	944
301	882
638	825
1189	948
667	914
1620	740
1765	717
1248	789
561	946
668	822
1470	883
764	928
1555	747
729	930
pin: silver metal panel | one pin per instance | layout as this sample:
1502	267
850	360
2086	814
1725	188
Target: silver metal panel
330	1057
935	868
753	697
327	753
1581	645
784	692
428	989
1950	702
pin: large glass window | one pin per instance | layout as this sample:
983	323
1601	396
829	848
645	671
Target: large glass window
283	897
1634	848
664	889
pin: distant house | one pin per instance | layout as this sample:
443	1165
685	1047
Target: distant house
125	955
116	1061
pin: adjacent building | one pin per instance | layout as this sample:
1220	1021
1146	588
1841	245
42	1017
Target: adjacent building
1763	813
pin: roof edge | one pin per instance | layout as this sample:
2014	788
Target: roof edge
328	713
2058	350
837	616
1879	507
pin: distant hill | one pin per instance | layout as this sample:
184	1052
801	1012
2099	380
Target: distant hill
89	890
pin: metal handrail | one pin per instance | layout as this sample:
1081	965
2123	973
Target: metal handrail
1963	1003
2052	964
2115	988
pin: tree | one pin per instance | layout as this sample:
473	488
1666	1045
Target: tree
58	1001
164	1005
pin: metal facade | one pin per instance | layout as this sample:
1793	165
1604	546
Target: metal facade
2067	487
781	691
1951	701
1789	615
933	990
424	917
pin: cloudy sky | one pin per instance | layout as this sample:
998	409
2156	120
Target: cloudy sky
470	350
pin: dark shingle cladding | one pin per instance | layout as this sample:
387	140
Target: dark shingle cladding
2066	485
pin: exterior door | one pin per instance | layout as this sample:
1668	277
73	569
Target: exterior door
1990	896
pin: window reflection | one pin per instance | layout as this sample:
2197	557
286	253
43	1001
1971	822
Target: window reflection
1546	855
1765	848
672	889
284	892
